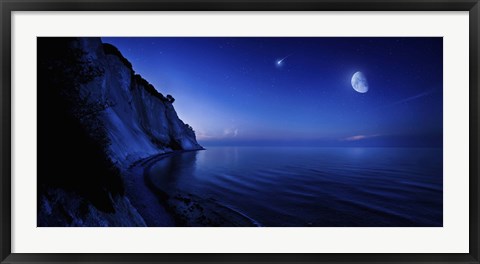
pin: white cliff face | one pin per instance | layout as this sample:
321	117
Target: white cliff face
140	122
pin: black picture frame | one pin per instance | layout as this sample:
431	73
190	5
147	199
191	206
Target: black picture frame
8	6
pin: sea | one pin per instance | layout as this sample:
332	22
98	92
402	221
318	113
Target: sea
313	186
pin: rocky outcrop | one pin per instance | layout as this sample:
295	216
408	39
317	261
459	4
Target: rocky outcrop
58	207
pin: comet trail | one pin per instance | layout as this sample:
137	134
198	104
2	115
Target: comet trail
280	61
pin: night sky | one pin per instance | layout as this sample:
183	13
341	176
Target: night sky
234	91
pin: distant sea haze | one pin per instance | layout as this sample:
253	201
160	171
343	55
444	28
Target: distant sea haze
310	186
361	140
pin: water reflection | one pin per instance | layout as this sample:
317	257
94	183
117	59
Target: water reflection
169	170
171	178
245	186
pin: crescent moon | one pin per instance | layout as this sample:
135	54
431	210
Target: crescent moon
359	82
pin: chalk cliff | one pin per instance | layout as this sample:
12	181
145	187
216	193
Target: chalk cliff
140	121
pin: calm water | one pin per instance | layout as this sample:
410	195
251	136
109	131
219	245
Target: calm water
312	186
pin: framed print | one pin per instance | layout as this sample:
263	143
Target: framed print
224	131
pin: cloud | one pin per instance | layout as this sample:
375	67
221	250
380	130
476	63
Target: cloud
359	137
230	132
201	135
354	138
212	135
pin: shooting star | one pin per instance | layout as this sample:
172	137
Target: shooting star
279	62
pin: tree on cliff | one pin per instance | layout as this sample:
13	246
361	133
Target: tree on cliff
170	99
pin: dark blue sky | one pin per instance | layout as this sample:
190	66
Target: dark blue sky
231	90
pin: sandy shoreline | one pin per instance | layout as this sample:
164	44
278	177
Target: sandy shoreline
150	202
142	198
